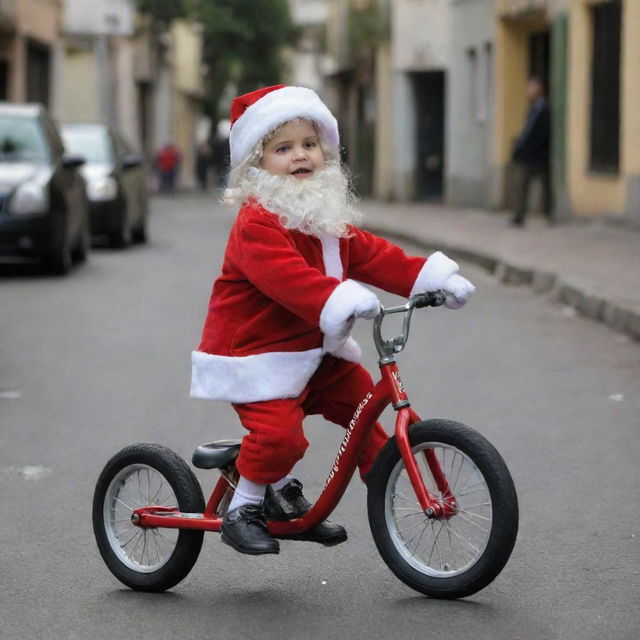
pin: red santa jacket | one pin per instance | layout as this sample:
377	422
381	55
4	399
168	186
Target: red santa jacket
285	298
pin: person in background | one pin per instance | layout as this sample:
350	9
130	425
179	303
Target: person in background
203	161
167	164
531	152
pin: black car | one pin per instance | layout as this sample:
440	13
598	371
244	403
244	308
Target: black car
43	204
116	182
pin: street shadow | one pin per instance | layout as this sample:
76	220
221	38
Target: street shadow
120	596
234	602
25	270
412	603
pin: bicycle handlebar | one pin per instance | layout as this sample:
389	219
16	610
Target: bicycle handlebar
387	348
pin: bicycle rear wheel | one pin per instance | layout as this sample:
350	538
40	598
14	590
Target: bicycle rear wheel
444	557
146	559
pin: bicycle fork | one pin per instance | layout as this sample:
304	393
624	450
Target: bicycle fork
431	506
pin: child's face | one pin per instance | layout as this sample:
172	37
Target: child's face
294	149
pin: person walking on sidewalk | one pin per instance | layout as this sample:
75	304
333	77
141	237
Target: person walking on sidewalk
531	152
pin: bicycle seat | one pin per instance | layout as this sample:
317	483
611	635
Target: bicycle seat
214	455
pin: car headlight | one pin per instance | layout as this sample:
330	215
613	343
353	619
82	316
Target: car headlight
31	197
101	188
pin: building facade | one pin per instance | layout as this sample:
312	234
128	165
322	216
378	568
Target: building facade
305	61
587	51
420	56
29	50
96	77
387	74
121	69
184	87
470	113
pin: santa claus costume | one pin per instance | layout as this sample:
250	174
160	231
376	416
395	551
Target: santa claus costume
276	340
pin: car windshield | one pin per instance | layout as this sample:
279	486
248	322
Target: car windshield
22	140
91	142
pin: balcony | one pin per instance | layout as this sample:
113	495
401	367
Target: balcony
518	8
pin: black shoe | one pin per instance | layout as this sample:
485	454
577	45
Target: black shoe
288	503
245	529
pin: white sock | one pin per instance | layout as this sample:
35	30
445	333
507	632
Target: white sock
247	492
281	483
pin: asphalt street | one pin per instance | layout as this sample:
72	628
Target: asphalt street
100	359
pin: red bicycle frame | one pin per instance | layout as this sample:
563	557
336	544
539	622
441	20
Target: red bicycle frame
388	390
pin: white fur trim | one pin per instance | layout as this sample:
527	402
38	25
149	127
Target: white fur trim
276	108
331	256
435	272
338	314
254	378
347	349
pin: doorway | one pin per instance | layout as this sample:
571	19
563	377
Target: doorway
429	95
38	76
539	56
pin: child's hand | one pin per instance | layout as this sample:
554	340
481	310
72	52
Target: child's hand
368	308
457	290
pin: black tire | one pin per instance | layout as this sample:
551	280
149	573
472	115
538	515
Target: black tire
447	581
139	234
59	262
80	252
121	238
182	553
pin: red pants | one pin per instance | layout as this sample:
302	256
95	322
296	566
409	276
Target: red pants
276	440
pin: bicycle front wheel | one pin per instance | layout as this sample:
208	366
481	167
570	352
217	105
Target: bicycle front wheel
152	558
444	557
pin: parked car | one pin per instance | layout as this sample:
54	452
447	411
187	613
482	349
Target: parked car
116	182
43	205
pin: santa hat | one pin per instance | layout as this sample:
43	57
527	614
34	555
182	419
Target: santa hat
256	114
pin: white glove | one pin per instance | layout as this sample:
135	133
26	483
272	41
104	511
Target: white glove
368	308
457	291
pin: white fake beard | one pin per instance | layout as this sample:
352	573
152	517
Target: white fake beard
319	204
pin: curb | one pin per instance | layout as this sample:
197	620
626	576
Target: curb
593	307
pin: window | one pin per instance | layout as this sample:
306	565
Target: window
488	79
22	140
472	81
605	88
91	142
4	80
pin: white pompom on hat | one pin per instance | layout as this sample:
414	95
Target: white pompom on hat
256	114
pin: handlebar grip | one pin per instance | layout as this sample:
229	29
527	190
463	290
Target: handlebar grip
429	299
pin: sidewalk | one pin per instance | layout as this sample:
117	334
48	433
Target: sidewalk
592	267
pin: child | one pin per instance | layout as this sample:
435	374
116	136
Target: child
276	341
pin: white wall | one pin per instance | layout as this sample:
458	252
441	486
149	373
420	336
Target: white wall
404	125
98	17
308	12
78	99
470	103
420	34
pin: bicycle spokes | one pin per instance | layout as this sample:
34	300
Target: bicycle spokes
452	543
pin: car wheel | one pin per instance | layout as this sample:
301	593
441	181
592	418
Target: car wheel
139	233
59	262
80	252
121	238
